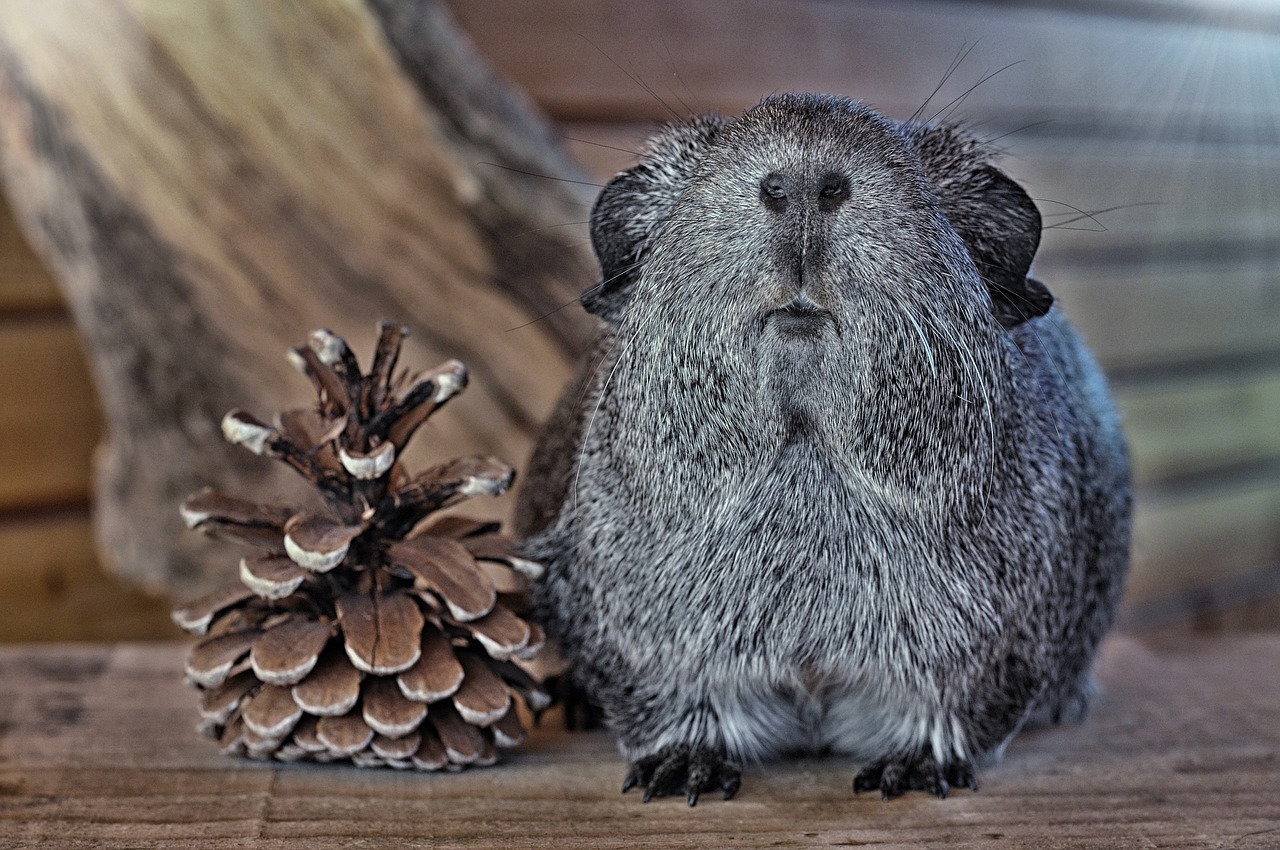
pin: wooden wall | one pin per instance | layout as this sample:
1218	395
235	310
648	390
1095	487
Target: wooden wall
1168	113
52	587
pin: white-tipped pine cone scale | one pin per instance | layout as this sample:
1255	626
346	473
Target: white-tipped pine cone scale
363	632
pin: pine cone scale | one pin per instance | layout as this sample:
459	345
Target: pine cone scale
462	742
218	704
344	735
381	631
386	709
211	661
288	651
318	543
502	633
332	688
271	575
438	673
396	749
446	568
431	754
271	713
483	698
197	616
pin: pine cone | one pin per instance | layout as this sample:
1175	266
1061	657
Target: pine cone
362	631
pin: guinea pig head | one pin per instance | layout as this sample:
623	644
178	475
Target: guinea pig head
806	207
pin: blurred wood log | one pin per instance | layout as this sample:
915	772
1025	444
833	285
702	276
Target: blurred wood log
212	181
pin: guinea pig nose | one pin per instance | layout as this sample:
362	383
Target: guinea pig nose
773	191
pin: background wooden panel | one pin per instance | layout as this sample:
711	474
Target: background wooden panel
1169	111
50	419
1193	425
1078	65
52	586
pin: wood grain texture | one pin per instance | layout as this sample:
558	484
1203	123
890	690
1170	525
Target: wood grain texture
1078	65
212	181
1182	750
1201	535
53	588
49	419
1244	601
1181	427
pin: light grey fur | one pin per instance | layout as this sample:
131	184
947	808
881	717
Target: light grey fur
891	520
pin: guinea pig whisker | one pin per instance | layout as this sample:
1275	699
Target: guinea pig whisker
635	78
603	146
565	304
944	112
956	61
595	410
928	351
1077	214
593	184
973	375
991	140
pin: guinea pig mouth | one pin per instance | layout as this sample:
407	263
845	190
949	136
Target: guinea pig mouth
800	319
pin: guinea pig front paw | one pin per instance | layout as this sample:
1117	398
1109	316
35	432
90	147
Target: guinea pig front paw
684	769
897	774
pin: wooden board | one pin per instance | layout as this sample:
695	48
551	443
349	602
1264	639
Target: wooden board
1182	428
590	60
1245	601
1148	316
49	416
52	587
1204	535
1182	751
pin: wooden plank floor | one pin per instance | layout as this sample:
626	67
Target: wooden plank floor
97	750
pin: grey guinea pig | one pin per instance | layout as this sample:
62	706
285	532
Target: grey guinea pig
839	477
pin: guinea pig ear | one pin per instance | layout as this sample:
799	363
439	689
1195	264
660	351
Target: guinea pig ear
1000	225
634	207
619	240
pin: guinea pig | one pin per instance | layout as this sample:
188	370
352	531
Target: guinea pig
839	477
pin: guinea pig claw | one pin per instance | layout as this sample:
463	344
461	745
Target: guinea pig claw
895	775
684	769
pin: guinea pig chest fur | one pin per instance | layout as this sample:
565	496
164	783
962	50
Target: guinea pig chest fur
839	477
